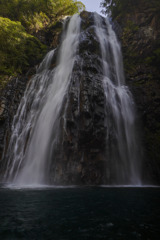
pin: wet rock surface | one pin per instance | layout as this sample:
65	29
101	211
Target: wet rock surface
140	34
80	154
82	158
9	101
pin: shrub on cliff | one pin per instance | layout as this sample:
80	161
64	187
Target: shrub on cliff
18	49
20	20
120	7
35	15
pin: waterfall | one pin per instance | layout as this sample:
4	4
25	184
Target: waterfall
123	153
38	114
44	147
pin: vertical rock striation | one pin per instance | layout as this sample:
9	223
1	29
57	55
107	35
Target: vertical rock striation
82	160
140	34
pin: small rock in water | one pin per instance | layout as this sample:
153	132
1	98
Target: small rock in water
110	224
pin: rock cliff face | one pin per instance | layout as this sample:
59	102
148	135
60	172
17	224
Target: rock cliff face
84	134
9	101
82	160
140	34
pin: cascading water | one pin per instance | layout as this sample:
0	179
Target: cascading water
37	126
122	143
38	114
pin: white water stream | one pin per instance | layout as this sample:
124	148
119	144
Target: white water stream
38	114
123	165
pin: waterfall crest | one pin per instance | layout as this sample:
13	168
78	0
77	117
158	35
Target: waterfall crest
81	107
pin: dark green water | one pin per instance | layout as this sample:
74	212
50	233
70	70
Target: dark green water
80	214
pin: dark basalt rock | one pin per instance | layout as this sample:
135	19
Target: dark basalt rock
9	102
140	44
81	155
52	35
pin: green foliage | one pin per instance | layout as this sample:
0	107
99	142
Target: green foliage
21	18
116	7
37	14
154	60
130	27
157	55
18	49
119	7
35	22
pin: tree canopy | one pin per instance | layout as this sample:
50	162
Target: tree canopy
16	47
37	14
19	21
118	7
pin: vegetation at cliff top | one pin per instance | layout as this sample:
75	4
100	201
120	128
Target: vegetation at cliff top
37	14
122	10
120	7
20	20
18	49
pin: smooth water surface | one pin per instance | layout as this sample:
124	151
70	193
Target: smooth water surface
80	213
